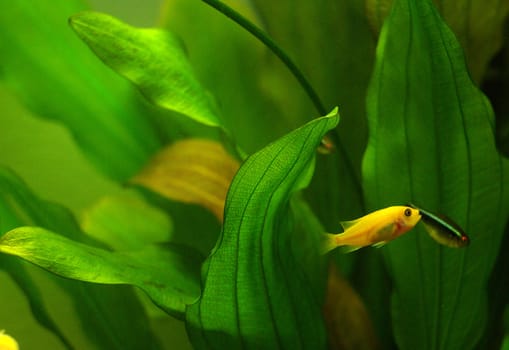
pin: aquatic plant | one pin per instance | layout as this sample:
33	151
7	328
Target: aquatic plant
234	169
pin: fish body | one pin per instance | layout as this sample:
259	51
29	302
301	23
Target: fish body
443	229
376	228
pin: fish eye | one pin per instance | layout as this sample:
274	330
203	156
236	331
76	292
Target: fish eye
408	212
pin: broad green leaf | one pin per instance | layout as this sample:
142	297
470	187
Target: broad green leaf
116	311
56	77
478	25
153	59
195	171
168	274
126	223
432	143
255	292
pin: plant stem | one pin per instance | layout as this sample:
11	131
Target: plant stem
278	51
264	38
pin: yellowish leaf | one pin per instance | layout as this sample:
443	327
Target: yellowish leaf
346	318
195	171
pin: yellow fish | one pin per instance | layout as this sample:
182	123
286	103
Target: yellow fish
376	229
7	342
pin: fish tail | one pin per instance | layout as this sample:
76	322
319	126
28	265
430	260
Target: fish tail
328	243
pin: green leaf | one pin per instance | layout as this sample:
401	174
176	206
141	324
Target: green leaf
115	311
126	223
168	274
153	59
432	143
478	25
56	77
255	292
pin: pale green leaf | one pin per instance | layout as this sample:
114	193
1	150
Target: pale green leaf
153	59
126	223
168	274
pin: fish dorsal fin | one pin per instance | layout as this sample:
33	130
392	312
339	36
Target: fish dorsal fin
347	224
